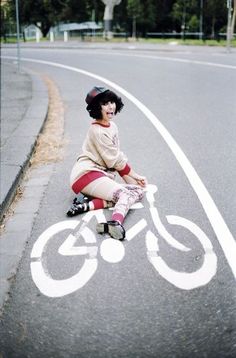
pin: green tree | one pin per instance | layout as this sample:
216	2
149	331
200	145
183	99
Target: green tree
42	13
215	16
148	16
164	21
193	24
139	16
120	18
3	24
134	12
185	15
47	13
143	15
7	20
82	10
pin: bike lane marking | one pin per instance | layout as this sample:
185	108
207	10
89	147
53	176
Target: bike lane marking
225	238
113	251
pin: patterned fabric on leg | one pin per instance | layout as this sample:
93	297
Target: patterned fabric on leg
124	198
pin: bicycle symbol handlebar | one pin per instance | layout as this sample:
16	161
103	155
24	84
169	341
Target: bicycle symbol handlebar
113	251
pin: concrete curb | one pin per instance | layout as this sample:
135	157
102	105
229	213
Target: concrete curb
120	46
14	162
20	146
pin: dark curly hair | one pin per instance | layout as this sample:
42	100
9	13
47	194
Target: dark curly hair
108	96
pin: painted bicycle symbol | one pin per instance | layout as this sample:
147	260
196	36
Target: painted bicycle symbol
113	251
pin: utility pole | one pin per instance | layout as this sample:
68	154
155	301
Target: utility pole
18	35
201	20
184	21
229	7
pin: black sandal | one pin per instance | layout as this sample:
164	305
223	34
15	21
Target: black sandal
113	228
79	206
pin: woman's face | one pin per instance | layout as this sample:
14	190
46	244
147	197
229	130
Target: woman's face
108	110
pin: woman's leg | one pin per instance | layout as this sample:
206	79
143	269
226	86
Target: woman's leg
124	196
104	191
82	185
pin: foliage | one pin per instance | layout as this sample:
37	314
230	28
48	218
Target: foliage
186	15
215	16
41	13
47	13
143	12
149	15
5	14
134	8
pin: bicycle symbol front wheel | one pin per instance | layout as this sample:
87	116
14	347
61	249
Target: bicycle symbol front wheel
183	280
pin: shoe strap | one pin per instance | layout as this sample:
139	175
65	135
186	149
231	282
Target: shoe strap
106	228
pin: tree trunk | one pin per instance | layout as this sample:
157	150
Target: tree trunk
213	27
232	25
44	28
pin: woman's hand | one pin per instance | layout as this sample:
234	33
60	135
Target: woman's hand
142	181
134	178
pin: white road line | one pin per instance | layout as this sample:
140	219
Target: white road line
177	59
156	57
166	58
225	238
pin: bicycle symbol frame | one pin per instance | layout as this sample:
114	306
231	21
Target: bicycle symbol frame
113	251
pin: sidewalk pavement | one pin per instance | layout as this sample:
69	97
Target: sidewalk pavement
24	106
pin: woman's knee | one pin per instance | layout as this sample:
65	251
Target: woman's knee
136	190
136	193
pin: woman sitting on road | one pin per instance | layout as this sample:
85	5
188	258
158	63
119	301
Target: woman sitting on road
94	171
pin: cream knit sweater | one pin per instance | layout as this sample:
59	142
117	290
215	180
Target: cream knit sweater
100	151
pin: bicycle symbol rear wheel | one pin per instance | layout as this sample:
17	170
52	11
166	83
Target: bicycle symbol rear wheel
58	288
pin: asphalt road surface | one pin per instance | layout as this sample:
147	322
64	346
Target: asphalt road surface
169	289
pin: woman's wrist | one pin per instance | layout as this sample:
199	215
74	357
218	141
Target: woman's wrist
125	171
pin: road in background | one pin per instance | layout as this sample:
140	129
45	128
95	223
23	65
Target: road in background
127	308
